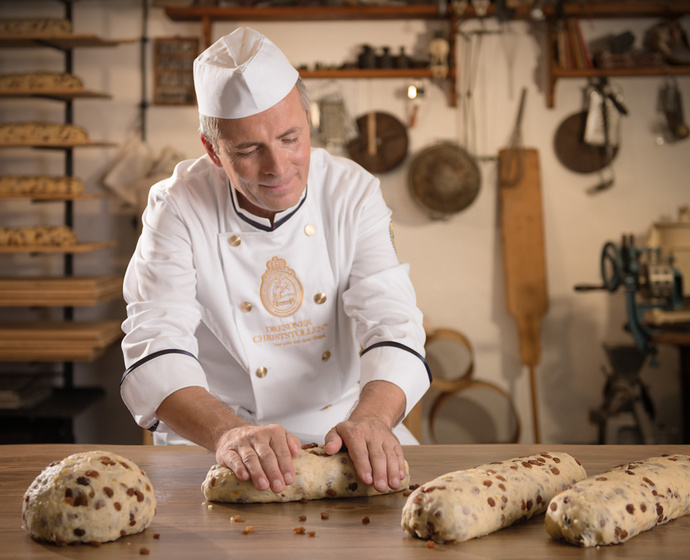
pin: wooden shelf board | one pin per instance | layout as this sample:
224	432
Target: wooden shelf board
62	42
48	341
310	13
53	94
621	72
66	249
91	332
61	146
54	197
59	292
660	8
367	73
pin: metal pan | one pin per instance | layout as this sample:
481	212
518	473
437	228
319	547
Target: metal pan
574	153
444	179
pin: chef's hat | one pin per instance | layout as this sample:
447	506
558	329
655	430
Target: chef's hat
241	74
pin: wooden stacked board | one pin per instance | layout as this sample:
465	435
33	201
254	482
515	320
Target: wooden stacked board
58	292
75	248
48	341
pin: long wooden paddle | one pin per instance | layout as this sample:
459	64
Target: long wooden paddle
522	232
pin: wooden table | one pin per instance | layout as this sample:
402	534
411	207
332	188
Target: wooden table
190	528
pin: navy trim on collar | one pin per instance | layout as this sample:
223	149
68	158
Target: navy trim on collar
402	347
145	359
261	226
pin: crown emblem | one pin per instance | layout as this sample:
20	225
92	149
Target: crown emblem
281	291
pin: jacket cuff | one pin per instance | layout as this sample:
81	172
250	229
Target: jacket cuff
147	383
399	365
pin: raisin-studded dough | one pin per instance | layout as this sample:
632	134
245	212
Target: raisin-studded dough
463	505
39	133
317	475
95	496
617	505
39	82
39	185
44	236
35	26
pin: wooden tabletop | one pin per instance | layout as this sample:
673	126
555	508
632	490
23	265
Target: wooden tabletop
190	528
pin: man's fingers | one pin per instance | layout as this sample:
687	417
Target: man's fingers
234	462
374	450
334	442
251	457
393	462
357	448
286	471
379	466
260	453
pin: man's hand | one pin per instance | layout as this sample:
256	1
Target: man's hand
367	434
262	453
375	451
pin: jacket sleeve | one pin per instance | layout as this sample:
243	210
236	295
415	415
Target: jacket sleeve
382	302
159	347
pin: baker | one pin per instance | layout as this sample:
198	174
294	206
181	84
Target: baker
266	305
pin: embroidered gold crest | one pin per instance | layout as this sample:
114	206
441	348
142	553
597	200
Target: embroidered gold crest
281	290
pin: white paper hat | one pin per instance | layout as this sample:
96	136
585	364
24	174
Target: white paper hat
241	74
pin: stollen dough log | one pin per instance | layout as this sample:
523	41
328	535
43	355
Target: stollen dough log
317	476
35	26
44	236
39	185
614	506
94	496
39	82
463	505
40	133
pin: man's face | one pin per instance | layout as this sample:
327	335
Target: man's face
266	156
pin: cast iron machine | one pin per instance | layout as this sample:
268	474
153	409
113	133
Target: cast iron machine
651	282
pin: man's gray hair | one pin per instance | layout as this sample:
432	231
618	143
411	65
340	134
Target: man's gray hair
209	127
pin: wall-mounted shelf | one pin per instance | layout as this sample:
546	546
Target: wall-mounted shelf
55	95
207	15
59	292
77	248
44	341
59	42
608	10
64	341
47	197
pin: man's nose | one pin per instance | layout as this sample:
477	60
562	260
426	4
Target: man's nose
275	161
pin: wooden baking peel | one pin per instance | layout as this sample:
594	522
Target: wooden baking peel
522	232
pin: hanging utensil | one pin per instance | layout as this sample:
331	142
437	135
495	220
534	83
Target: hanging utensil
381	143
524	258
672	106
415	93
444	179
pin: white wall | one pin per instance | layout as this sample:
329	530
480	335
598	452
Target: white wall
456	264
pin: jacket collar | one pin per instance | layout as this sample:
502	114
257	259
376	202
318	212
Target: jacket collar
264	224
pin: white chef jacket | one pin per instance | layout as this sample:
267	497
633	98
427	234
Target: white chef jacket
282	323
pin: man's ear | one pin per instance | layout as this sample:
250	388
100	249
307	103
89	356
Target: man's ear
210	151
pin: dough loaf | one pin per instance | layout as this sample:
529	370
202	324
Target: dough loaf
466	504
39	184
317	475
614	506
53	236
39	82
35	26
37	134
96	496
